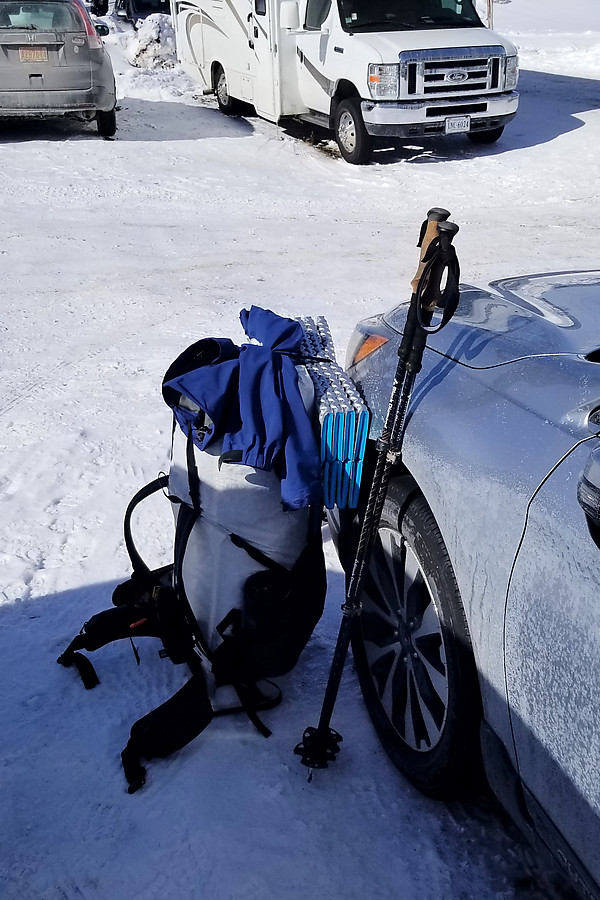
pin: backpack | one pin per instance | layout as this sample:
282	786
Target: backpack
247	584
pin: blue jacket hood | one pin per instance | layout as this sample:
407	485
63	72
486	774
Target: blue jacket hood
250	398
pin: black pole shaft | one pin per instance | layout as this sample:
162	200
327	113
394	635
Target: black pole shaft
320	744
386	458
389	449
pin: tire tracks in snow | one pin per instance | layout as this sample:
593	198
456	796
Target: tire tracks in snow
41	379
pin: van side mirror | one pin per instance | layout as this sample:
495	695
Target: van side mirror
102	30
289	15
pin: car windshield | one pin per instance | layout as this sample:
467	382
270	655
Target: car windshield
405	15
39	16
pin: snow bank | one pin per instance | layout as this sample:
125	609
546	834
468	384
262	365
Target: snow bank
153	44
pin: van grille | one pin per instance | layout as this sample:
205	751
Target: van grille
441	73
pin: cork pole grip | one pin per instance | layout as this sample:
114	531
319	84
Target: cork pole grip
429	232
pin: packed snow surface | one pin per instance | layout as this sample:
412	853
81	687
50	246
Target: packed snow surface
114	256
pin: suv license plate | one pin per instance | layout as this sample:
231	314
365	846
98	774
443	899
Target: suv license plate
33	54
457	124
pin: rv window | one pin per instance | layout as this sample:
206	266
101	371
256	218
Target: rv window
260	7
316	13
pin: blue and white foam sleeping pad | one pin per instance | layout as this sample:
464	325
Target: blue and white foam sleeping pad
343	416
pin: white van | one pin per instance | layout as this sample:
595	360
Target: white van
361	68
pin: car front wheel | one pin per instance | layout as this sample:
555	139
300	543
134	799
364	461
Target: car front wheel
413	652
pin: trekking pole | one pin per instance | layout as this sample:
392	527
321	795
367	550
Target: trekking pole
320	745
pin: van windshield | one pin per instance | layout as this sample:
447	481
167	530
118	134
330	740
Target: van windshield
406	15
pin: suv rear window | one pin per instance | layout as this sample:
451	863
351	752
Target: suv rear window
45	15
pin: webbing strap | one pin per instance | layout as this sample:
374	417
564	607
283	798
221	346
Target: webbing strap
137	562
186	519
241	691
257	555
193	478
86	670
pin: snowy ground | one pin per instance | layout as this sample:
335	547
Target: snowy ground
114	256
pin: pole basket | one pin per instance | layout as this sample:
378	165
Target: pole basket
318	747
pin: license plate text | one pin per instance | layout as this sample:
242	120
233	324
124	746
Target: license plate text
457	124
33	54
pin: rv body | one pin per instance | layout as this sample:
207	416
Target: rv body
345	66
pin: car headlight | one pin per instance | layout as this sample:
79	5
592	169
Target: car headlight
384	81
511	72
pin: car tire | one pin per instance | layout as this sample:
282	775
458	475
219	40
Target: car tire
106	122
413	653
227	105
486	137
356	145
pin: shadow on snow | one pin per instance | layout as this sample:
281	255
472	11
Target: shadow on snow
46	710
549	107
137	121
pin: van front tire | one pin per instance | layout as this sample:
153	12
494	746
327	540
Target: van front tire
356	145
486	137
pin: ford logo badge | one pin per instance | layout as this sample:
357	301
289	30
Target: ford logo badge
457	76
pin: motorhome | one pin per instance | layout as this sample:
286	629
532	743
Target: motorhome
363	69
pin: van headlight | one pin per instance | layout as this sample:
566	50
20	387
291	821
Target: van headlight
511	72
384	81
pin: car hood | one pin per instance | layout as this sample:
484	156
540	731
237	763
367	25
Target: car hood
517	318
389	44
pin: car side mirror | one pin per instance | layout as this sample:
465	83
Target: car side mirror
289	15
102	30
588	489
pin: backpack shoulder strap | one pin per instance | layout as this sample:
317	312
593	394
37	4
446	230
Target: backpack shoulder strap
159	484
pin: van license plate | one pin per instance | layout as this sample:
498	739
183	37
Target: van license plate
33	54
457	124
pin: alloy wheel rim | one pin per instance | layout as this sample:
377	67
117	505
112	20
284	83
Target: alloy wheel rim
404	643
347	131
222	89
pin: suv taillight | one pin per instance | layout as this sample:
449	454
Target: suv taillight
94	41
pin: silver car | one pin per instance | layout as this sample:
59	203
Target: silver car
53	62
479	636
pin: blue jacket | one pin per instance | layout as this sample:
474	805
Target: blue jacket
250	398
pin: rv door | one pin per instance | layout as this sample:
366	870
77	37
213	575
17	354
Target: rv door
187	20
262	48
314	50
